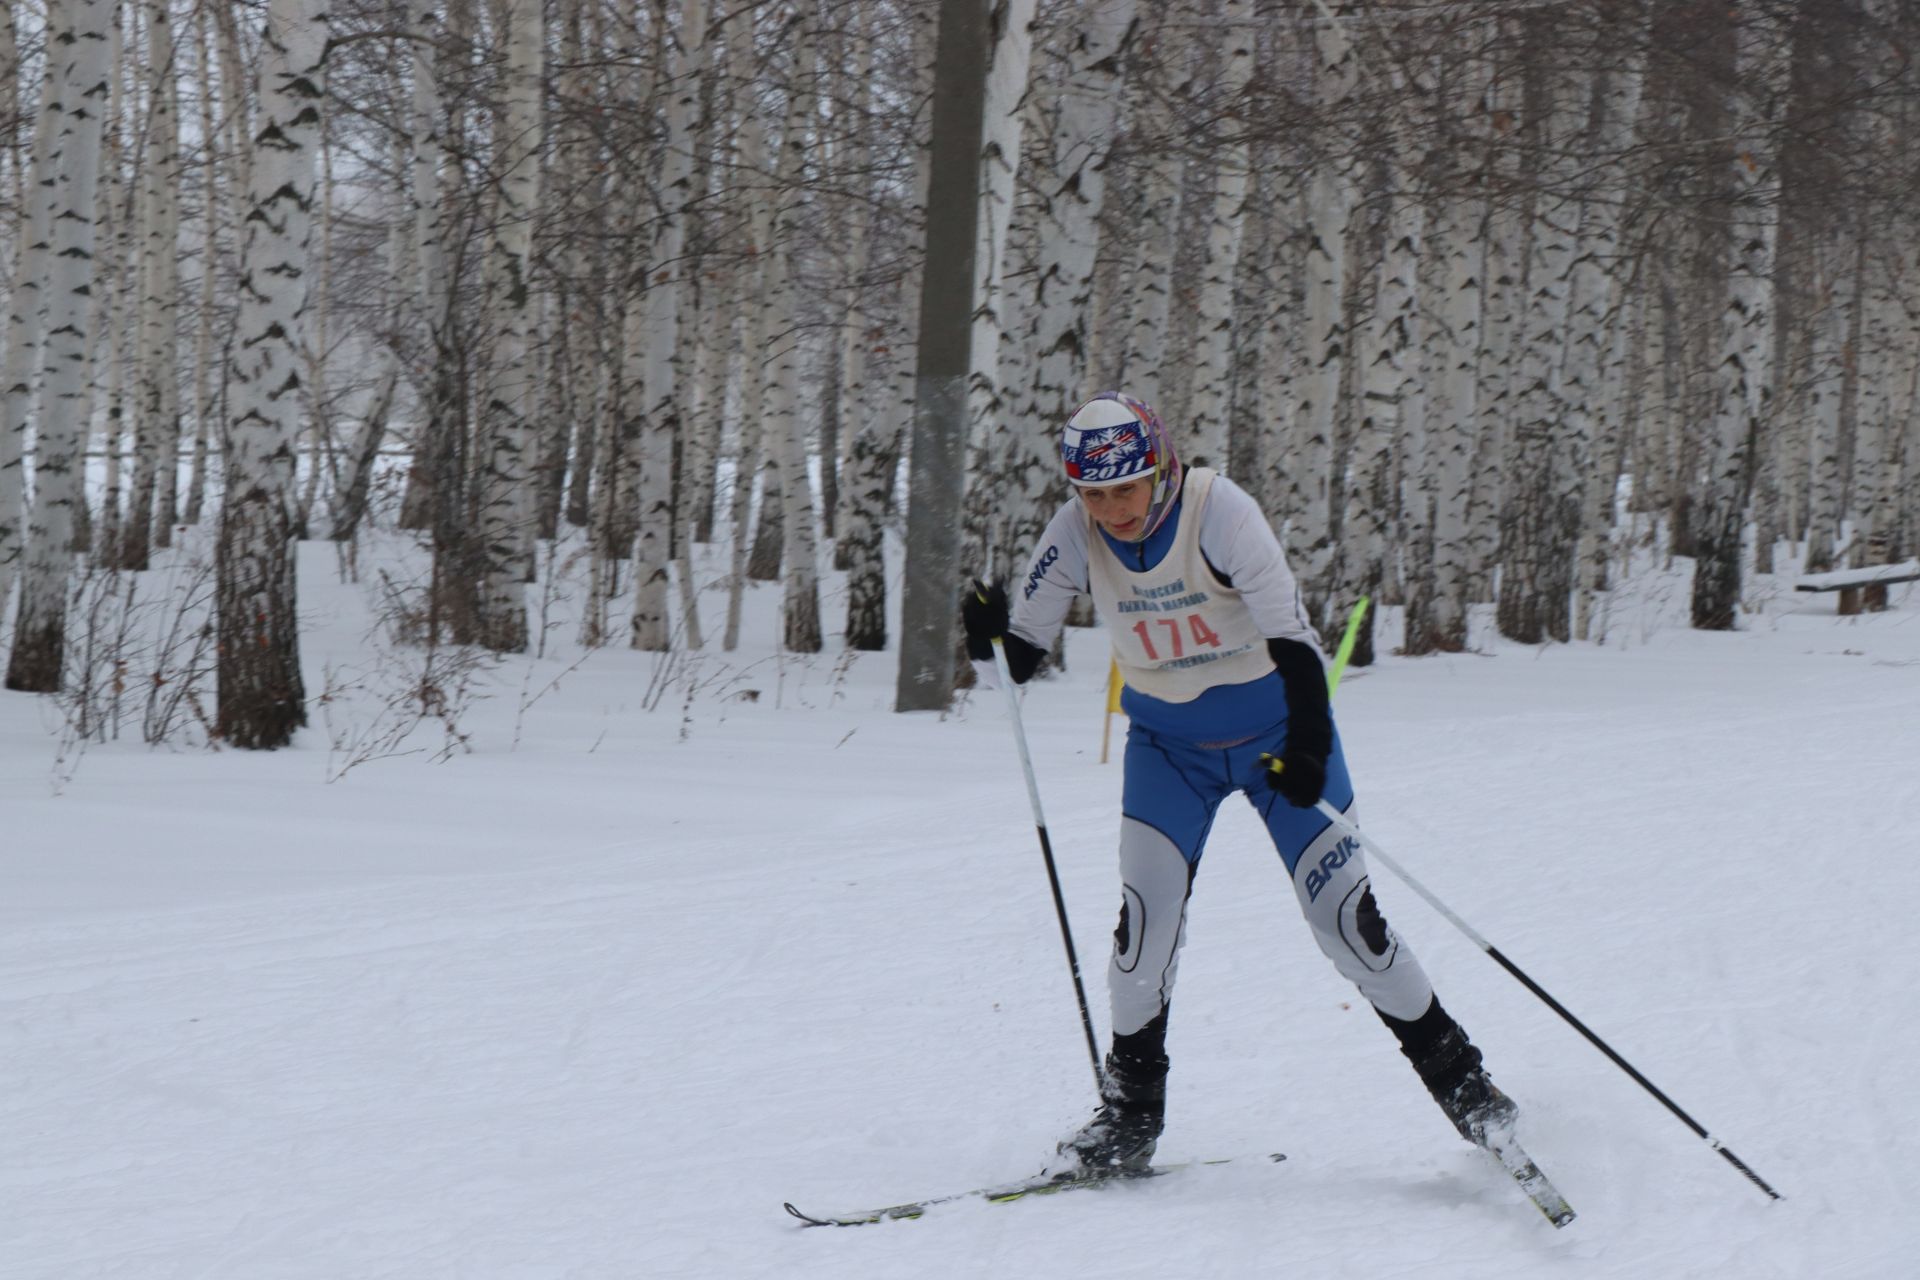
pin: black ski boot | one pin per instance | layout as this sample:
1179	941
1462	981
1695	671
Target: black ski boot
1449	1065
1478	1108
1459	1083
1121	1136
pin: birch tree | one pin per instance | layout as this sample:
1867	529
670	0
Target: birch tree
1387	375
1330	197
156	400
1747	321
665	286
79	43
759	229
1597	337
800	598
210	224
1826	380
1010	55
1536	563
873	457
1456	264
262	697
1211	360
1062	288
498	618
1155	221
27	317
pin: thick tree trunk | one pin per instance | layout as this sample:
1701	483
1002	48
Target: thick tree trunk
1211	359
27	315
1009	69
262	698
1330	197
81	42
1155	225
753	374
787	447
665	288
1069	245
1457	259
498	618
1744	371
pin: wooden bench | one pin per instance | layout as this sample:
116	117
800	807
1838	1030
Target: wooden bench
1861	589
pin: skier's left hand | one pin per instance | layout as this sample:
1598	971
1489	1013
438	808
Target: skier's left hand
983	612
1298	776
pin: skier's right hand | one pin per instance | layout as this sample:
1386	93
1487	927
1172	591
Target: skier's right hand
984	614
1300	777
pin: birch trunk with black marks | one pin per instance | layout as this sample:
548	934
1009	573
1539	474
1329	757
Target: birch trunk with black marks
211	202
1536	572
874	455
261	695
80	43
1597	336
665	286
753	180
1062	290
1747	341
27	305
1211	360
1331	192
1010	57
156	423
1388	373
1152	122
497	618
800	599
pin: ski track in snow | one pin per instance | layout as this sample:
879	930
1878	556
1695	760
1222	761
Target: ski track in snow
597	1006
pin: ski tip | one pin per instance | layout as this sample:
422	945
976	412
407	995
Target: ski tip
804	1219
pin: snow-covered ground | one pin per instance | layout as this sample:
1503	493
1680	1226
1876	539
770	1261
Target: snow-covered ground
594	998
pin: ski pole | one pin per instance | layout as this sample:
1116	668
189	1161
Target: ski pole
1379	855
1046	852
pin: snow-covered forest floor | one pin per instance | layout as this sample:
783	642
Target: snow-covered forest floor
670	941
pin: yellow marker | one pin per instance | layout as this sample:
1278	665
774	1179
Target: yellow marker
1114	687
1346	646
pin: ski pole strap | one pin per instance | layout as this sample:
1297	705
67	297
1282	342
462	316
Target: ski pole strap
1380	855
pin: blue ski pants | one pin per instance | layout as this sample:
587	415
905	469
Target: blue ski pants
1172	790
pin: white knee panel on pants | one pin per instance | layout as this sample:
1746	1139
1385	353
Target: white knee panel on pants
1154	883
1335	895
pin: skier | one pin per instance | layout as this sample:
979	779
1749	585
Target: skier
1225	692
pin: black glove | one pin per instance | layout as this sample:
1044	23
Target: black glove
1299	774
983	611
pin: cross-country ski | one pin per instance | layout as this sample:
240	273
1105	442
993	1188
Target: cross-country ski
1006	1193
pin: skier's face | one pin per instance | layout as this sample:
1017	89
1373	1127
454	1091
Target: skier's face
1120	509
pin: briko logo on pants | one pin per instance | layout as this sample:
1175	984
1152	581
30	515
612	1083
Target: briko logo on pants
1331	861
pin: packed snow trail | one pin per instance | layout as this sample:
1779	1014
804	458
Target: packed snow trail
593	1001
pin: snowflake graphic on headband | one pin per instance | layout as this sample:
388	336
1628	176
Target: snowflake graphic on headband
1107	453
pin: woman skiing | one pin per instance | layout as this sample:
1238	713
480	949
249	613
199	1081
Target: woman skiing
1225	692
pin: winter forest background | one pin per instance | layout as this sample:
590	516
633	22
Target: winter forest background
1479	299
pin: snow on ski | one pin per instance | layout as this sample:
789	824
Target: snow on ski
1039	1185
1506	1149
